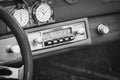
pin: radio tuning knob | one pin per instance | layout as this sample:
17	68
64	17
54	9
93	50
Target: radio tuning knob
37	40
103	29
13	49
81	31
75	33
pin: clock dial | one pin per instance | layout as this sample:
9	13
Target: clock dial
43	12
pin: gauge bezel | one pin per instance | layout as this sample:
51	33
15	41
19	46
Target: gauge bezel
13	11
34	13
72	2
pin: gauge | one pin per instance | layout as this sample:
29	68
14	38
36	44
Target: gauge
22	16
43	12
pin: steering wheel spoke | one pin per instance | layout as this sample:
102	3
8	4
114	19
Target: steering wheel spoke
11	73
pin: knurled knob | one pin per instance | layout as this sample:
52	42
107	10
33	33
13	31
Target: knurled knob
38	40
103	29
81	31
13	49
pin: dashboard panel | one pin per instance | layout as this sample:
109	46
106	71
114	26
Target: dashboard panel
46	16
85	31
49	38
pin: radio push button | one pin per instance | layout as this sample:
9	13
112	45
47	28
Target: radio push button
48	43
61	40
55	41
67	39
71	38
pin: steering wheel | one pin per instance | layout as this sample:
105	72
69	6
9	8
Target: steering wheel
22	41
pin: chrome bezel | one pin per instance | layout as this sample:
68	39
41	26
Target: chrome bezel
34	13
13	11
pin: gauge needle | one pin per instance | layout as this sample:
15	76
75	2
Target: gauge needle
20	16
43	12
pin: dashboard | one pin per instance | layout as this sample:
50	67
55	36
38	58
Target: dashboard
53	25
85	31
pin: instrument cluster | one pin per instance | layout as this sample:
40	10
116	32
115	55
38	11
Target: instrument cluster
41	12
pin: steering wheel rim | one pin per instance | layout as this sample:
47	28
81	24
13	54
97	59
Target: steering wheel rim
22	41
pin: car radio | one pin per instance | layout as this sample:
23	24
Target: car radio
59	35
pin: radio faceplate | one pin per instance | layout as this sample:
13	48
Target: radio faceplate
60	35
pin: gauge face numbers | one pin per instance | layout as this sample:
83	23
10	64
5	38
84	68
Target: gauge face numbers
22	16
43	12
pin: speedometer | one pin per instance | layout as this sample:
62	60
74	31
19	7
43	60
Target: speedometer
22	16
42	12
